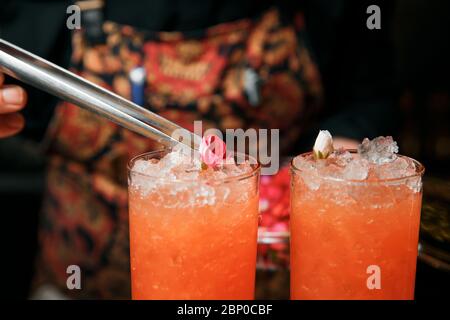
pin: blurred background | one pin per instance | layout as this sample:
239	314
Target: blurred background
412	48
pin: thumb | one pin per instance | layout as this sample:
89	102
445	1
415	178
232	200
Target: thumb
11	124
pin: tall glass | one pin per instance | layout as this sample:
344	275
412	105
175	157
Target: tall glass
354	239
193	239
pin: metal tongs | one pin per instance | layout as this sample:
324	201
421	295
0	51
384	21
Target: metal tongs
42	74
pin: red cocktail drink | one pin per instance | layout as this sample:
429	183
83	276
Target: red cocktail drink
193	232
354	227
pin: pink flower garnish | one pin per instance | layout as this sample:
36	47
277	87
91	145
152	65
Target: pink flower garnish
212	150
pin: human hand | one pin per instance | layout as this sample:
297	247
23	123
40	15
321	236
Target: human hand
12	99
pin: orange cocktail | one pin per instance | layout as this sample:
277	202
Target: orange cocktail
193	232
354	230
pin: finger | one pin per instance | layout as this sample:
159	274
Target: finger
11	124
12	96
2	78
10	108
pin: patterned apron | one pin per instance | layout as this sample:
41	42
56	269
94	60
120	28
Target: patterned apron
208	75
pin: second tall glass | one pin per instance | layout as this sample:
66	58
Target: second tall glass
353	239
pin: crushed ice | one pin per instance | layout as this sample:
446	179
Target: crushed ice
379	150
376	159
181	171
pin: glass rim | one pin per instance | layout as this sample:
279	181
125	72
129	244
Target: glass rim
256	168
420	170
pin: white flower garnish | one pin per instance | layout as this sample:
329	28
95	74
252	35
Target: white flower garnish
323	146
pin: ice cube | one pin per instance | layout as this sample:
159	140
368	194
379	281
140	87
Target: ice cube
308	171
142	166
357	169
340	157
172	160
186	172
330	170
304	163
399	168
142	169
233	170
414	183
379	150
